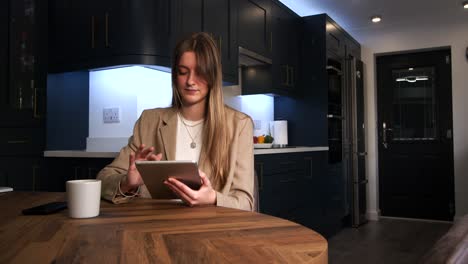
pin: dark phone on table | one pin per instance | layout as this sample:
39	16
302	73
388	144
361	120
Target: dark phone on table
48	208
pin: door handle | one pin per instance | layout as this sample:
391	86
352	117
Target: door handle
384	134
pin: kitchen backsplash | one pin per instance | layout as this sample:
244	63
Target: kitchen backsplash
130	90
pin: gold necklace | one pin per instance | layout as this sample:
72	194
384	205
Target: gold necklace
192	144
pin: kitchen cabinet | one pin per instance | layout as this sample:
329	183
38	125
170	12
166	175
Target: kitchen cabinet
22	93
255	26
24	64
321	112
285	47
297	187
22	174
87	34
199	15
220	19
279	76
60	170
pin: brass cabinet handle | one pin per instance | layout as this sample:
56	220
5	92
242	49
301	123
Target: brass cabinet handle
107	30
76	172
36	110
292	76
34	178
260	177
285	69
17	141
288	180
271	40
92	32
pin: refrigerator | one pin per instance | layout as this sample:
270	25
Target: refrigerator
358	181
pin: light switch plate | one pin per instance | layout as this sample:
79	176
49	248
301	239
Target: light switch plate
111	115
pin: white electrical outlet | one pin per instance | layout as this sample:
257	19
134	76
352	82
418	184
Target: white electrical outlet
111	115
257	124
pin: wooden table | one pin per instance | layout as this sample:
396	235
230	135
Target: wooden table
148	231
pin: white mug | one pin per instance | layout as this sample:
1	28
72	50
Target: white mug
83	198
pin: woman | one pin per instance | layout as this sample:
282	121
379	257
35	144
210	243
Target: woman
199	127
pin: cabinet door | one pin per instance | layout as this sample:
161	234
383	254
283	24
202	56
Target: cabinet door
187	18
280	179
353	49
335	40
61	30
255	26
4	23
285	47
20	104
61	170
22	173
140	27
220	19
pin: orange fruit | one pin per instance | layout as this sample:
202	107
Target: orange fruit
261	139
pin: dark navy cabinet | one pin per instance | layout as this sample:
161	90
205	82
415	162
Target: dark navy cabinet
297	187
59	170
255	26
23	52
285	46
217	17
88	34
319	113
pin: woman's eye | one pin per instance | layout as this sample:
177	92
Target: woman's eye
182	72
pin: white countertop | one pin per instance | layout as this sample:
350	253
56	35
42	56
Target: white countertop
88	154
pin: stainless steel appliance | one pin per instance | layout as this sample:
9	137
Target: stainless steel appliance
359	179
346	141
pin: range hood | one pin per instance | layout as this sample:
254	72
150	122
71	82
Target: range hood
250	58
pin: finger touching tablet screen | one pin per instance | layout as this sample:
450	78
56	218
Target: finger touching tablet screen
154	173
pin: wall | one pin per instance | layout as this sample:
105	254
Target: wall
388	40
67	104
133	89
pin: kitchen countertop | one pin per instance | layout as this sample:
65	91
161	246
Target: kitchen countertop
87	154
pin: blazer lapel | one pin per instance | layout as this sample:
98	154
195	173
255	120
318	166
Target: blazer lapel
168	132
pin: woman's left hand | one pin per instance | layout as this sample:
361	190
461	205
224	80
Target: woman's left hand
205	195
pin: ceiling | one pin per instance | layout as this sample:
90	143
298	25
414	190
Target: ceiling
354	15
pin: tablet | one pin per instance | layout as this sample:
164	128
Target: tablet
154	173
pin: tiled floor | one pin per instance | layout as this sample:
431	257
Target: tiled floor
392	241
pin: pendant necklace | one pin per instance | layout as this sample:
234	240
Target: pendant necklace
193	144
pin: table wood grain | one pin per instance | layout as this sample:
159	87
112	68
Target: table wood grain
150	231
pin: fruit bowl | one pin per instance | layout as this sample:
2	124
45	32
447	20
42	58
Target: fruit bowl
263	145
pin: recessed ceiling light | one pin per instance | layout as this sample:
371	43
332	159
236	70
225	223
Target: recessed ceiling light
376	19
465	4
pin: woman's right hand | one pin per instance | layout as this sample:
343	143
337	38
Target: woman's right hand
133	179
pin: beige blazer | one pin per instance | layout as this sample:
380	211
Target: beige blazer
158	128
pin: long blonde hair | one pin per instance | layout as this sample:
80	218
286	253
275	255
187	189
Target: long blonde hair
215	136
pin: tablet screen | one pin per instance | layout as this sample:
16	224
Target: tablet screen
154	173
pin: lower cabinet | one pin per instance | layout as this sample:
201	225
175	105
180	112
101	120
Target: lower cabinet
61	170
298	187
22	173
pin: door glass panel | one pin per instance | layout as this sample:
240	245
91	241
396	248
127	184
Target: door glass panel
414	104
22	61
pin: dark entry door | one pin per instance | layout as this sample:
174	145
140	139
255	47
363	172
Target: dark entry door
415	135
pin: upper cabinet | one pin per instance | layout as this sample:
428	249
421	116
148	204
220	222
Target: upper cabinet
24	63
220	19
255	26
217	17
285	45
86	34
